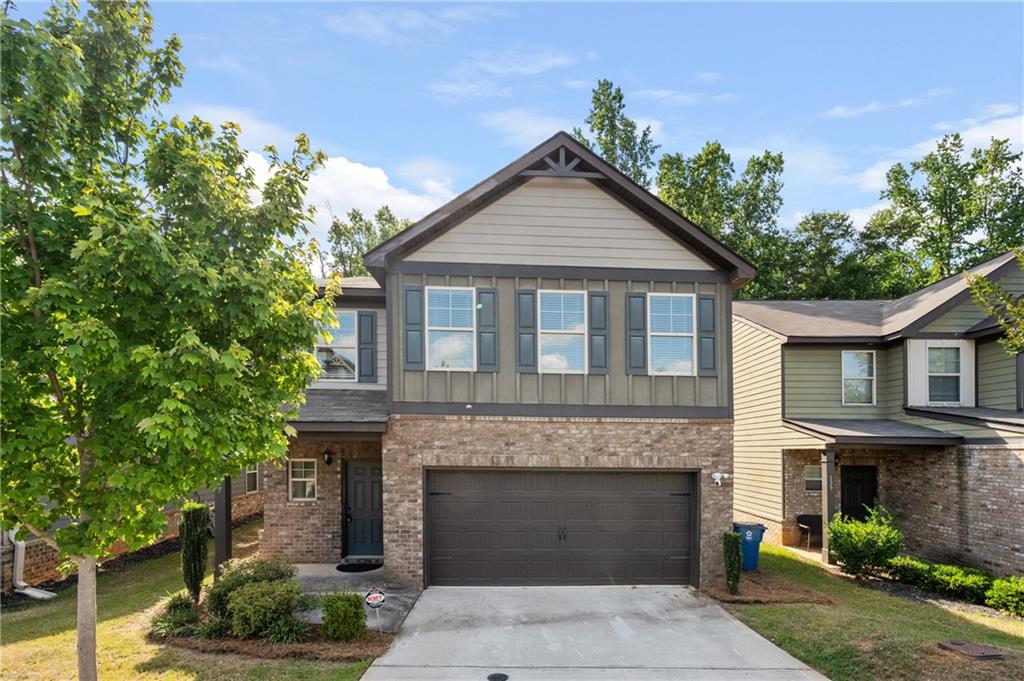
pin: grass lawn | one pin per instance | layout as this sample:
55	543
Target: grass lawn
37	641
869	634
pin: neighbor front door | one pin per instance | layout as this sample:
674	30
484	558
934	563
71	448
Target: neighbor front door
859	490
364	518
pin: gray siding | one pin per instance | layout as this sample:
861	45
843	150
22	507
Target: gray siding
997	377
382	351
814	383
507	386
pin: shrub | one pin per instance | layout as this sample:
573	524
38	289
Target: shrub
344	617
307	602
733	560
175	623
195	517
177	602
287	630
238	573
864	547
257	606
215	627
911	571
1007	594
965	583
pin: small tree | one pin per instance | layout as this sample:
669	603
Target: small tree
1005	307
192	529
616	136
733	560
865	547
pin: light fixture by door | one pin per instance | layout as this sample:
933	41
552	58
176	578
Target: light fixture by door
328	458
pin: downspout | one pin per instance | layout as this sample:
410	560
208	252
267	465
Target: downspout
18	573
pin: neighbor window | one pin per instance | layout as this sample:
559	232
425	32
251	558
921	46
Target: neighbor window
858	377
670	335
252	478
812	478
451	321
338	357
302	480
944	375
563	327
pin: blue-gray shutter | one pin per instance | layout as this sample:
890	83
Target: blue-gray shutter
597	320
487	329
707	364
412	331
526	332
636	333
366	337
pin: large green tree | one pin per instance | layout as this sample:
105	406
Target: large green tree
1006	308
826	258
617	137
350	238
155	316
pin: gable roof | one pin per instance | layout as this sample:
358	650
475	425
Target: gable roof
581	162
867	320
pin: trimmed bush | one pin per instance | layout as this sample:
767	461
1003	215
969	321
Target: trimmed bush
287	630
911	571
236	574
215	627
195	518
256	607
1007	594
733	560
865	547
960	582
344	617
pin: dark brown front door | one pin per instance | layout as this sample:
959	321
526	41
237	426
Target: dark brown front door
859	489
560	527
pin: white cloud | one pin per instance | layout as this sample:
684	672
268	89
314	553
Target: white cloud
405	25
451	349
256	133
844	111
226	63
578	83
522	63
480	76
462	88
524	128
669	95
656	125
707	77
860	216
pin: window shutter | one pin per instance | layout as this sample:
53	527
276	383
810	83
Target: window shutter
636	333
526	332
412	333
487	329
707	364
598	322
366	329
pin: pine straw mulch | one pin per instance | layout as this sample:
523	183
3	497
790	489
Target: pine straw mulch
766	588
374	645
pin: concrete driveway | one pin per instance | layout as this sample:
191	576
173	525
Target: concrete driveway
578	632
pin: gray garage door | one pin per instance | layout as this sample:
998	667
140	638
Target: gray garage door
560	527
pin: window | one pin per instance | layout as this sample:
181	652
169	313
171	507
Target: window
858	377
563	332
252	479
451	322
812	478
670	337
943	375
338	357
302	480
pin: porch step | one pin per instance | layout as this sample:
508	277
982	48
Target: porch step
361	560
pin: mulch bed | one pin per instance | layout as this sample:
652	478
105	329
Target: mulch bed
766	588
912	592
374	645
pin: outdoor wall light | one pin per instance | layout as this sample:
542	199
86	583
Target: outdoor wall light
328	458
719	477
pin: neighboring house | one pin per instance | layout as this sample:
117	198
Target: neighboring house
912	402
533	388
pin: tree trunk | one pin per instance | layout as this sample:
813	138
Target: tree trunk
86	618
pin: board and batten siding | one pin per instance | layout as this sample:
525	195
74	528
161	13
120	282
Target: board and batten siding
997	377
968	313
559	221
508	386
382	353
758	433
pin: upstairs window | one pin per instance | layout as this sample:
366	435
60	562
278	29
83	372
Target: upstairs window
563	327
670	336
339	356
858	377
944	375
451	326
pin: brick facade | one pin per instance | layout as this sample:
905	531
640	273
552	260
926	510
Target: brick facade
415	442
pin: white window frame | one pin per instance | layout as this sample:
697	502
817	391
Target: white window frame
584	333
427	328
651	334
873	379
928	373
819	479
291	479
249	470
355	349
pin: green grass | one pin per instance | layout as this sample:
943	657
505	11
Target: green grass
37	641
868	634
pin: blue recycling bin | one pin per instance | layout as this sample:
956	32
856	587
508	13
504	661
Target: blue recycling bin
750	540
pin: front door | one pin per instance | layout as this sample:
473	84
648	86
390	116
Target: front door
859	490
364	517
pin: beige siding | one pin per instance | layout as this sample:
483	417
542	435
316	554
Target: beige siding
559	221
968	313
997	377
890	381
814	383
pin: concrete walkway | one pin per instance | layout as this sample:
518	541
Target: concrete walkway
576	633
317	578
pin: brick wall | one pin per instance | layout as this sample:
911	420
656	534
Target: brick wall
309	531
415	442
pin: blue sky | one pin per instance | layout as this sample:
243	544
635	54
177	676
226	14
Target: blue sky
415	103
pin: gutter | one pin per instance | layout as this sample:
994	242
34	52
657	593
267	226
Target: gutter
18	576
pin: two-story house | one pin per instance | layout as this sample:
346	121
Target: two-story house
534	387
911	402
